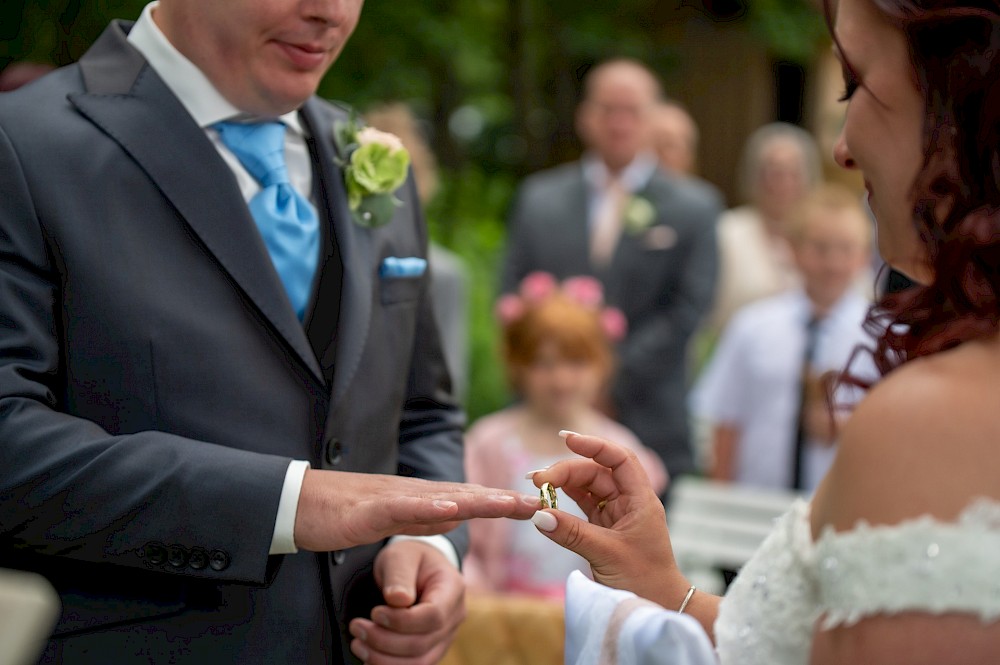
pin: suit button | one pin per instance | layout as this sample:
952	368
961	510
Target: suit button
155	553
198	558
177	556
338	557
218	560
334	452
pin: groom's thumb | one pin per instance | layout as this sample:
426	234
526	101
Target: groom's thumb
570	532
396	573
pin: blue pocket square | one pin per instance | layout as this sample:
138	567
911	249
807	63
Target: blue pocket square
394	267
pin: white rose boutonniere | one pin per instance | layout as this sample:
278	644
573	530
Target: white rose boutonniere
375	165
639	215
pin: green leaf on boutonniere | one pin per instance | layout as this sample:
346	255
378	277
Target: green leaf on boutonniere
345	134
375	165
639	215
375	210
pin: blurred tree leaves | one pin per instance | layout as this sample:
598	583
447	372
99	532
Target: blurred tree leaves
513	66
791	28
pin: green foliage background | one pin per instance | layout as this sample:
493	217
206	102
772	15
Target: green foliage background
515	64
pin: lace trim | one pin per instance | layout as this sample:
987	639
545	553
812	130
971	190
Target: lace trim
921	564
767	616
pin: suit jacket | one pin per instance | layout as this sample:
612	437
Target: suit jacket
662	278
155	381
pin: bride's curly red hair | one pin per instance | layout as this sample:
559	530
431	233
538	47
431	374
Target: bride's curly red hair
955	51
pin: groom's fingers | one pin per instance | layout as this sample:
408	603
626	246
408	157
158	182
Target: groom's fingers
405	511
393	512
396	575
493	504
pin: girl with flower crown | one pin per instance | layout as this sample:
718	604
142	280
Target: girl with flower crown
557	346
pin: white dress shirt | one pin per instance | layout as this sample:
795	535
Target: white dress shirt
753	382
633	178
207	106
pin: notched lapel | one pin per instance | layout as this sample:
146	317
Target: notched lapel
356	252
111	66
133	106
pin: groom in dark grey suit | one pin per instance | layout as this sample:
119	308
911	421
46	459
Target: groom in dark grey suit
200	349
649	237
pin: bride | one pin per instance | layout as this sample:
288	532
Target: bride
897	557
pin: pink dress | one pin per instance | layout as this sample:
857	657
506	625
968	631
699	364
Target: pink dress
511	556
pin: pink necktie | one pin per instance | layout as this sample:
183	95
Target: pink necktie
607	227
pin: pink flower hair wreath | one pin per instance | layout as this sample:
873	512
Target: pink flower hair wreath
583	290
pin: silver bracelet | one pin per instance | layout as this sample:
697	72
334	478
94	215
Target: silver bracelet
687	599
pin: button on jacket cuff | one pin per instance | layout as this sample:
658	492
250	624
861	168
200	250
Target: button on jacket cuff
439	542
283	540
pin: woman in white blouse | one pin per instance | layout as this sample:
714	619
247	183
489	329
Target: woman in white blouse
780	165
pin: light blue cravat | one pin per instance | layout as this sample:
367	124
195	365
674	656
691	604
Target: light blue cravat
285	218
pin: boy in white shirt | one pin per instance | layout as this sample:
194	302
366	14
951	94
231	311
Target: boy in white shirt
762	393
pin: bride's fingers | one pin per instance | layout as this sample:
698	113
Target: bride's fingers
592	542
584	499
623	463
598	511
581	474
590	496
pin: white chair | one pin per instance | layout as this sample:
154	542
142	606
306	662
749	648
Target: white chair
718	526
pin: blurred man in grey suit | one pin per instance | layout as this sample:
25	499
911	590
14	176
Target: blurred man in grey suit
213	380
649	237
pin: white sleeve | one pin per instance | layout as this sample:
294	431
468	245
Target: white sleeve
719	394
283	540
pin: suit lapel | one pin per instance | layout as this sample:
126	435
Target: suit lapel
356	251
132	105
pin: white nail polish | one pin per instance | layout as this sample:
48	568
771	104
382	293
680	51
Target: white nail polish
544	521
531	474
566	432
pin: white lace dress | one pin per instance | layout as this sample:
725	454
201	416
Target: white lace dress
923	565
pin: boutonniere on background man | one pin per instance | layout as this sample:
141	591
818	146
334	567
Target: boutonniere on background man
375	165
639	215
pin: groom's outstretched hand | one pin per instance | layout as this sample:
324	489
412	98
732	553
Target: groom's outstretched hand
337	510
626	540
425	603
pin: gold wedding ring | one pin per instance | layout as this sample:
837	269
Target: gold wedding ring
601	504
549	498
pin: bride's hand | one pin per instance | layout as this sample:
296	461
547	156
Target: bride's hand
626	541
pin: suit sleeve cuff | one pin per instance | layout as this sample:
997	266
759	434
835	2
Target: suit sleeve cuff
438	542
283	540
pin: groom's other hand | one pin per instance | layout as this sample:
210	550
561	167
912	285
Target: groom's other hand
425	603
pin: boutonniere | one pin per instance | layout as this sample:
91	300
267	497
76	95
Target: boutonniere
375	165
639	215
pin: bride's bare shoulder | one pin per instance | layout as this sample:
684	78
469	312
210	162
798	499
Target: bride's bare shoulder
926	440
